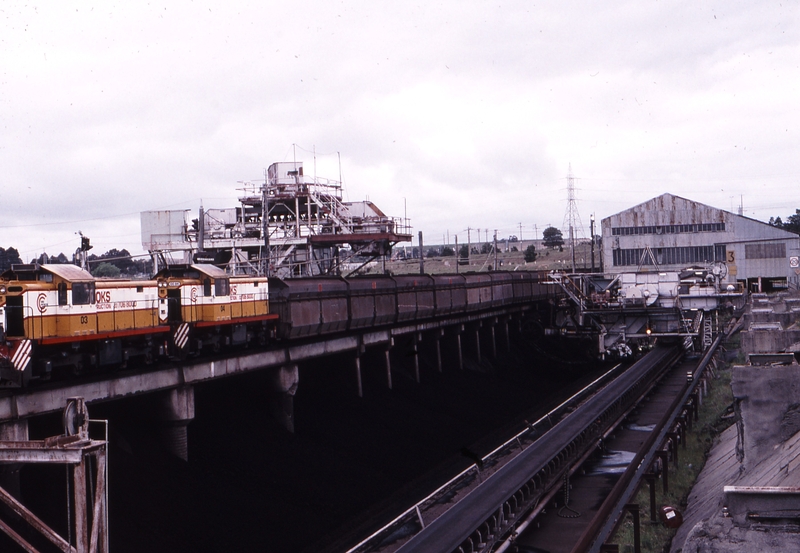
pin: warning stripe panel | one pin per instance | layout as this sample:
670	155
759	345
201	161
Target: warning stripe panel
22	355
182	335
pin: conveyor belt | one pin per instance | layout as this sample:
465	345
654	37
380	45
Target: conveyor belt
447	533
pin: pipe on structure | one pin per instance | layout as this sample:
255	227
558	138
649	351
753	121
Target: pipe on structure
285	381
177	411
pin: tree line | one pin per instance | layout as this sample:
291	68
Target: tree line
792	223
113	263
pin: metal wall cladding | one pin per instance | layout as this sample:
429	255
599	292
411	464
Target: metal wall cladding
479	290
163	229
415	297
372	300
522	284
322	305
450	293
310	306
667	210
502	288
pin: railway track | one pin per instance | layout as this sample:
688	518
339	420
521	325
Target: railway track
481	507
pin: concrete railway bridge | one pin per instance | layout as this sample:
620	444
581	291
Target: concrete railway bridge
172	383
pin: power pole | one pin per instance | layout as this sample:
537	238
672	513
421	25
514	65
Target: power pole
495	248
458	255
591	227
571	218
421	256
469	245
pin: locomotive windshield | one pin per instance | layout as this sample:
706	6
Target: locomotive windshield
82	293
222	287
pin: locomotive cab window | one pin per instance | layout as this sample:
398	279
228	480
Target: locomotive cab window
207	287
82	293
222	287
62	293
45	277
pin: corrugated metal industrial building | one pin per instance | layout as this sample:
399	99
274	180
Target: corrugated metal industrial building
671	233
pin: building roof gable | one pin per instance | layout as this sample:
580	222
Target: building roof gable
671	202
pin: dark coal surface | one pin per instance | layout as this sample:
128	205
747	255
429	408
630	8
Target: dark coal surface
352	464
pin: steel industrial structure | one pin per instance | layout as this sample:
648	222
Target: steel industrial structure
289	225
627	311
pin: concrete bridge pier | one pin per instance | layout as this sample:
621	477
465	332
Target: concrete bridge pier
438	339
478	326
358	374
285	381
15	431
176	412
492	325
388	364
415	351
459	330
359	352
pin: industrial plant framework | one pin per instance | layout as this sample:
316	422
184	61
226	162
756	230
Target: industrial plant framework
288	226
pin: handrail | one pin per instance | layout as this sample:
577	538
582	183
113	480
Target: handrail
514	439
606	518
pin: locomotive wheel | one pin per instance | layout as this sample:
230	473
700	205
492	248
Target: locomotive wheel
78	368
148	357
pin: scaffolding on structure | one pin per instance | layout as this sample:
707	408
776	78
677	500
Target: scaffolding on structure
289	225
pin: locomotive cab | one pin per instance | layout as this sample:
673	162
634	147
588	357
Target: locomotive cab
41	304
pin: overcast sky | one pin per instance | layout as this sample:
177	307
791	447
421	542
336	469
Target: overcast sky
468	112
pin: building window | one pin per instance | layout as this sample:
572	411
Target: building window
687	255
765	251
668	229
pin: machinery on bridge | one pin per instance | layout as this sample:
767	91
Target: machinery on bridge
290	225
628	311
59	320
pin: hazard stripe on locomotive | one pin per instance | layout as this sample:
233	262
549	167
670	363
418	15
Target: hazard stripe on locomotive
59	318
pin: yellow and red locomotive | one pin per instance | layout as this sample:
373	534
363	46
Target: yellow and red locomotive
60	317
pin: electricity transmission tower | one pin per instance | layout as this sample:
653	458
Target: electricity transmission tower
572	219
